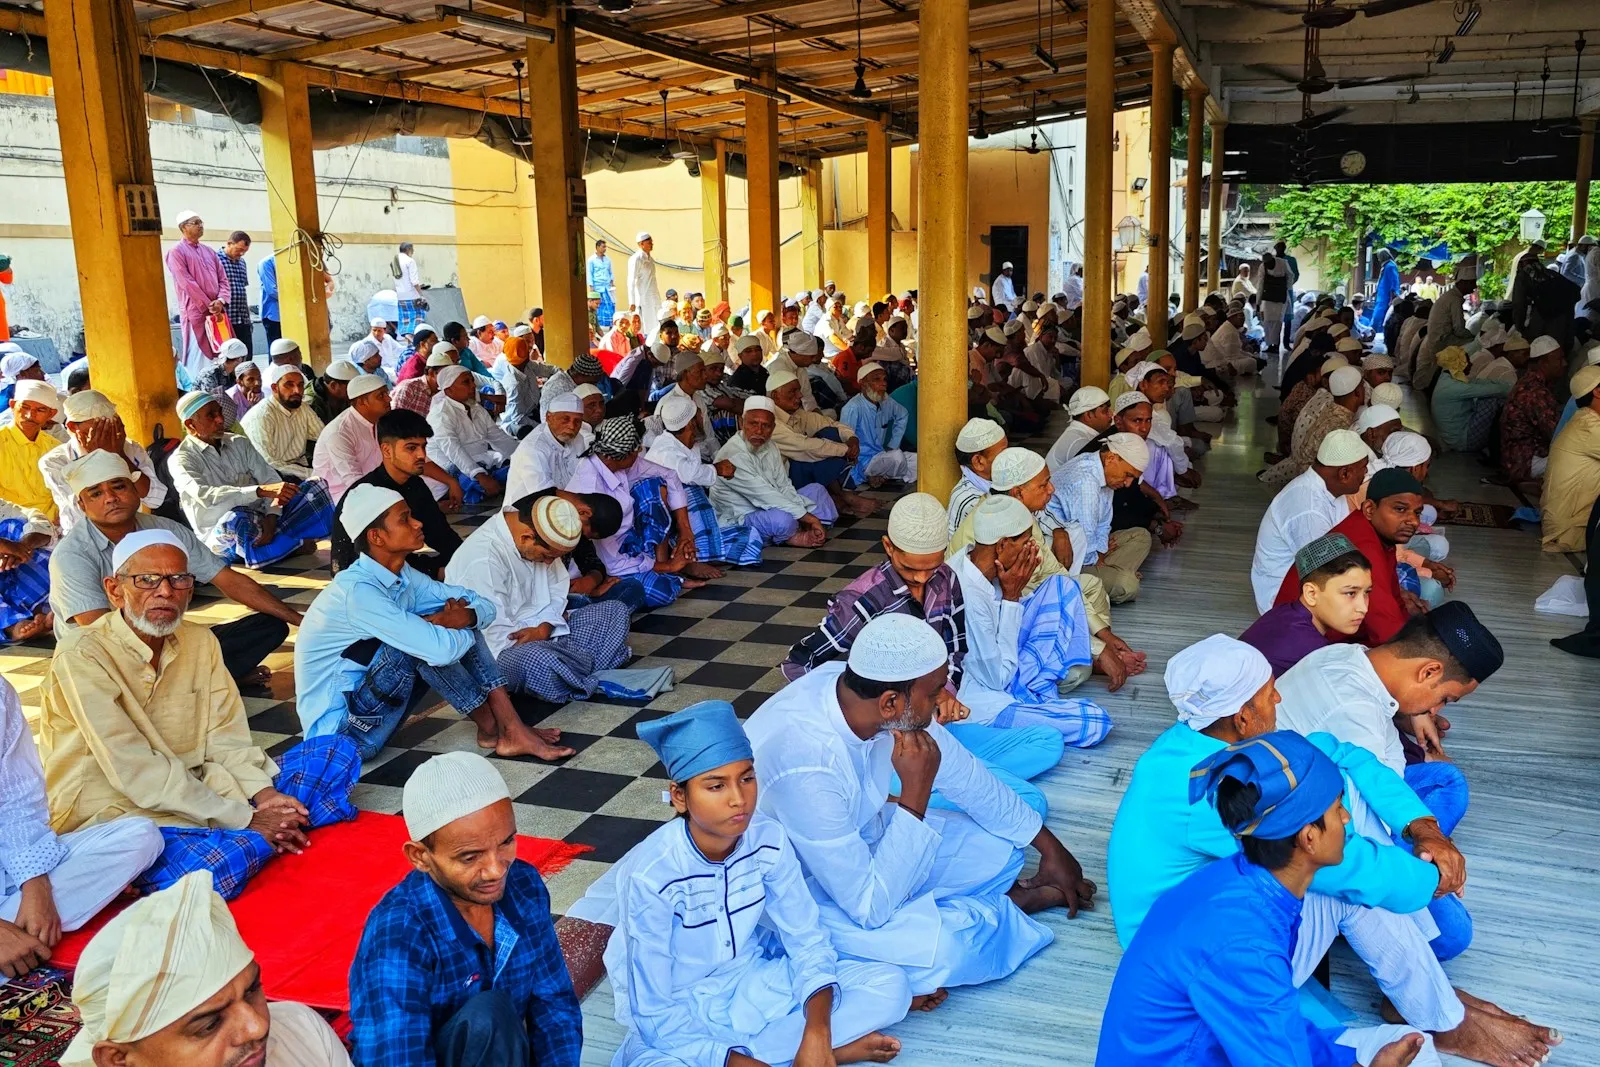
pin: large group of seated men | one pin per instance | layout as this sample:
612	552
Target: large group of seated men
853	850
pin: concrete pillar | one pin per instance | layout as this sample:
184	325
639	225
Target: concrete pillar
714	223
942	243
111	204
1191	202
1580	197
1214	224
559	194
811	226
296	221
880	251
1100	103
1160	224
761	180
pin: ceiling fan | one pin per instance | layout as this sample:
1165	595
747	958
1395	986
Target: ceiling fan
1512	156
1315	81
1033	148
669	153
1327	15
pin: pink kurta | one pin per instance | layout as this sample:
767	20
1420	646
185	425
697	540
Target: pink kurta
199	279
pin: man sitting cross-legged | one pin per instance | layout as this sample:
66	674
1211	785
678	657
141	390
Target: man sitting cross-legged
1332	604
549	455
140	717
235	500
819	450
1305	509
470	444
1085	488
759	494
674	448
93	423
348	449
934	892
283	426
381	629
1090	408
879	423
459	965
696	976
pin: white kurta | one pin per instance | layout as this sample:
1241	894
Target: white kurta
642	290
280	435
926	894
760	481
1069	444
1302	511
994	625
522	395
1226	350
523	594
1004	292
782	361
1335	690
673	454
467	437
541	461
1044	362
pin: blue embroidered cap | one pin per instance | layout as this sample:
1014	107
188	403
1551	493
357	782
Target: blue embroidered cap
700	738
1297	782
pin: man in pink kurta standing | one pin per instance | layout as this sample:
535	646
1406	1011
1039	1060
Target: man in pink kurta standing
202	290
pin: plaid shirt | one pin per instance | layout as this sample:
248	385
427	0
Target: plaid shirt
881	591
419	962
238	289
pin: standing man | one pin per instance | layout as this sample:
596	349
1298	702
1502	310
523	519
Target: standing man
408	290
267	273
642	291
1447	322
202	289
1273	288
603	283
231	257
1004	290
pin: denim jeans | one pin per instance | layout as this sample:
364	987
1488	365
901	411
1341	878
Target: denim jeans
389	691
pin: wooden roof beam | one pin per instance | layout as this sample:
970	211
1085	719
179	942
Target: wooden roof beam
403	31
205	16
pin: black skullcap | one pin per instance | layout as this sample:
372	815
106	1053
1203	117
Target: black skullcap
1468	640
1392	481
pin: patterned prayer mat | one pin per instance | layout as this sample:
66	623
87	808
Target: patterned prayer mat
1492	516
37	1021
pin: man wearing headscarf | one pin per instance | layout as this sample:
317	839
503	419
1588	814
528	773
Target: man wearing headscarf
203	291
234	499
174	745
282	427
93	423
469	442
1464	411
170	981
25	443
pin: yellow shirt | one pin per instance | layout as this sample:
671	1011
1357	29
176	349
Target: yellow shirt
21	481
119	737
1571	482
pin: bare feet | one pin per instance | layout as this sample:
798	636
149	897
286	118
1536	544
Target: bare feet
308	547
1498	1040
693	583
696	569
1109	663
874	1048
259	676
1132	661
547	733
1033	899
530	744
808	539
929	1001
856	504
28	628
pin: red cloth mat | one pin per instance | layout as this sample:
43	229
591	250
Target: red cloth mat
303	915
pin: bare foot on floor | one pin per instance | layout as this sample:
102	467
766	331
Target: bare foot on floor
28	628
693	583
531	745
1109	663
874	1048
1132	661
546	733
929	1001
257	676
807	539
701	570
1498	1040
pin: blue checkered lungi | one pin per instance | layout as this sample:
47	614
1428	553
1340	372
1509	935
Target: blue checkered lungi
25	588
309	516
739	545
652	521
319	773
1055	638
567	667
410	316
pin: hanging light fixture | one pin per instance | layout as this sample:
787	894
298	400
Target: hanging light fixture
1572	128
522	135
1544	83
981	132
859	90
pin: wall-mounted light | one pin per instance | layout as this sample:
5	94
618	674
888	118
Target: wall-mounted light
1139	184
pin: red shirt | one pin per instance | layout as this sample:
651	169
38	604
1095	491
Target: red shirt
1386	609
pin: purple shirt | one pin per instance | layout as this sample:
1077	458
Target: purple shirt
197	275
1285	635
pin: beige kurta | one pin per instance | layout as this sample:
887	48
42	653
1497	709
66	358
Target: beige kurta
1571	483
302	1038
170	743
795	436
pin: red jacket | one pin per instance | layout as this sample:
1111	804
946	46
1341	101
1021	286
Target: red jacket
1386	609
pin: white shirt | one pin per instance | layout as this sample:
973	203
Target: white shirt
28	846
673	454
53	467
392	351
346	452
994	625
1224	347
467	437
522	394
828	327
1003	290
213	480
280	435
1335	690
760	481
523	594
1044	362
1069	444
541	461
1302	511
409	285
642	290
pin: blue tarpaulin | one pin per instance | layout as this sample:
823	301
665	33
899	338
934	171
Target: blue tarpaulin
1439	253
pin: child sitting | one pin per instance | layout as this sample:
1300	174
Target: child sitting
1333	602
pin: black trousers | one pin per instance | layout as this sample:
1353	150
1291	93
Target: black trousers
486	1031
274	329
1586	642
246	642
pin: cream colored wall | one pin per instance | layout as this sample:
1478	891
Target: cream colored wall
1006	188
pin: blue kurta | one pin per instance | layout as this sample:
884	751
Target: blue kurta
879	427
1208	981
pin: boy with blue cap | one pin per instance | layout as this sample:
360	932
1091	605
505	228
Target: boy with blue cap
719	954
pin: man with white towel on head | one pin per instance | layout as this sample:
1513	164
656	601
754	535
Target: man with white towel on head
549	455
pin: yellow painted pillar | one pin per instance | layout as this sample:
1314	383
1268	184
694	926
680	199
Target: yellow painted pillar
761	181
559	194
1191	202
811	226
296	221
880	252
1214	224
1160	224
105	151
942	243
1099	105
1580	198
714	223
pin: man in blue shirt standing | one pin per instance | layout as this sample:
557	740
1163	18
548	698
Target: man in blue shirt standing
267	272
459	964
602	283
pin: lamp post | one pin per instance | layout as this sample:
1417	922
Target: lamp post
1532	225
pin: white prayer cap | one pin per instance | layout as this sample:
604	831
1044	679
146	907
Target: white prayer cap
139	540
1086	399
801	343
867	368
995	335
556	522
1006	265
1377	363
39	393
1342	448
282	347
422	328
1214	678
684	361
1194	318
448	787
363	505
979	434
185	216
93	468
521	329
1344	381
999	517
192	403
1388	394
760	403
676	412
15	362
711	356
1119	307
363	350
745	341
1407	449
1029	306
1492	332
897	648
778	379
1467	268
572	404
1132	398
440	355
1131	447
378	320
760	315
1137	373
1585	381
481	321
153	963
1543	345
642	235
1338	330
719	330
1373	416
979	293
451	374
975	312
1140	339
862	308
668	313
1593	357
1333	363
918	524
86	405
1049	307
1191	330
362	384
1515	342
342	370
233	348
279	371
1014	467
585	391
1013	327
1586	241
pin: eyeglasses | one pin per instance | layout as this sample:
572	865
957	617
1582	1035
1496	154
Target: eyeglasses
148	582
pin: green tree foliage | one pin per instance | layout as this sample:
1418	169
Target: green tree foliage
1485	218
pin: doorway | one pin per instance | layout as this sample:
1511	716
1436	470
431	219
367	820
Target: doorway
1009	244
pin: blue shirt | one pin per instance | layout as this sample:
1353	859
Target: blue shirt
601	276
906	397
879	427
268	273
419	962
367	600
1208	981
1159	838
1082	497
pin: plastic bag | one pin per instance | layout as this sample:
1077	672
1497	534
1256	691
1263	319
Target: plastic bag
1565	597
